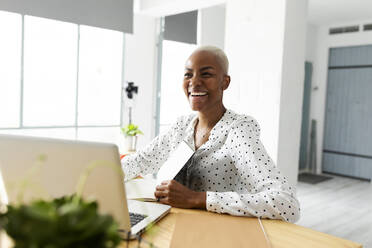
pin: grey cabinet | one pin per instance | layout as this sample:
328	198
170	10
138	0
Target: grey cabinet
347	147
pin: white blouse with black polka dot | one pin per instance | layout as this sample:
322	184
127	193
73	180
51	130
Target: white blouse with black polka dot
233	168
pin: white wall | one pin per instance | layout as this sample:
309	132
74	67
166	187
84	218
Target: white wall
140	67
311	42
160	8
254	46
291	96
324	41
211	26
265	43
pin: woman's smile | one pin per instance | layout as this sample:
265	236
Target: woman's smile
196	94
198	97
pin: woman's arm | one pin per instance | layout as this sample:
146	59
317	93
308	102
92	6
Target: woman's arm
261	189
150	159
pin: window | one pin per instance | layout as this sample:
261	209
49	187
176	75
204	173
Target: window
59	79
173	100
49	91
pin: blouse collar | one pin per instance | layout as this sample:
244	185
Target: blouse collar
219	128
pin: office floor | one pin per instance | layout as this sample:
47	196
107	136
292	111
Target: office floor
341	207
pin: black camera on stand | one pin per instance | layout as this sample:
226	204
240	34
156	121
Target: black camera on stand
131	89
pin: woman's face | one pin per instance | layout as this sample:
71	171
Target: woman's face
204	81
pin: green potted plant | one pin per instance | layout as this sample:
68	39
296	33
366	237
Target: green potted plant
63	222
68	221
130	132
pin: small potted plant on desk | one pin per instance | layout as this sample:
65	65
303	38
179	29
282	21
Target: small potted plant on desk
130	132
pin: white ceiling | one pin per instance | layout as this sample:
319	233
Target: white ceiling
159	8
320	12
327	12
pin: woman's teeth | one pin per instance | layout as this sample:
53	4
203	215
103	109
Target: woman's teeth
198	93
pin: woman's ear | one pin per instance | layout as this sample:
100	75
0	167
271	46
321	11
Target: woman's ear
226	82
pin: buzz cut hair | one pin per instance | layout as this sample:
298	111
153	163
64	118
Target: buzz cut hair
220	55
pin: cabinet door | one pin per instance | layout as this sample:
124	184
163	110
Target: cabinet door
347	146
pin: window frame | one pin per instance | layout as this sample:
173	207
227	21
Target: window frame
159	75
160	51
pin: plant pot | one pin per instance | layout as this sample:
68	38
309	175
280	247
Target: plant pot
130	143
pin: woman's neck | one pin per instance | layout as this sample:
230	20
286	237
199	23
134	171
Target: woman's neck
207	119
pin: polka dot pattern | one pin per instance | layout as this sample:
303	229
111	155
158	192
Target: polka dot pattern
233	167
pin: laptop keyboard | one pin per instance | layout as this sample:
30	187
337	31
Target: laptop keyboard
136	218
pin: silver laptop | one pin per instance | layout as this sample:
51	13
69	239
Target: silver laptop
53	168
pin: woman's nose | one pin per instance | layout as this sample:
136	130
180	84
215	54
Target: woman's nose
195	80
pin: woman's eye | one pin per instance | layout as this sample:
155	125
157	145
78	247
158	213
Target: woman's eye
188	75
206	74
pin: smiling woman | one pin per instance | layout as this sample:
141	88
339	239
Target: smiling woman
230	171
204	81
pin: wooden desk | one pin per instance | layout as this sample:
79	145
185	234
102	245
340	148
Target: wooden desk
281	234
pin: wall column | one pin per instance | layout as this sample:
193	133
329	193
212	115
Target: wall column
265	43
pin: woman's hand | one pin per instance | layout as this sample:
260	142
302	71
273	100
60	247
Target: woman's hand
175	194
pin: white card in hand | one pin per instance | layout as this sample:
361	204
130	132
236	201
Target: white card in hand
141	189
177	159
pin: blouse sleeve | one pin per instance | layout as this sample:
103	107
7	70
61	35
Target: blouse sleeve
262	190
149	160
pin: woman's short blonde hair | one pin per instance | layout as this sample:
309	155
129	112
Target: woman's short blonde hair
220	55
